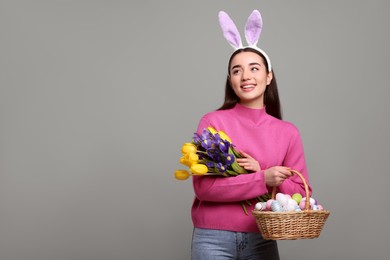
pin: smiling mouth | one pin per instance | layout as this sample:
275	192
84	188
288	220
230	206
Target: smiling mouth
247	86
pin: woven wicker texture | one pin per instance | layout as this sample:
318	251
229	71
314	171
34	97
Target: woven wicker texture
291	225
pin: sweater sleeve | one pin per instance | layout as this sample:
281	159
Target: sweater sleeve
295	159
227	189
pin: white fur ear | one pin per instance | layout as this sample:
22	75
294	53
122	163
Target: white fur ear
229	30
253	28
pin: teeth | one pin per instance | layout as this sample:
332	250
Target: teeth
248	86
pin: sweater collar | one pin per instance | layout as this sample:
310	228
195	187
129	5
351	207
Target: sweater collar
251	115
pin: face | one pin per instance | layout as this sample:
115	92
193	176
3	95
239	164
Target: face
249	78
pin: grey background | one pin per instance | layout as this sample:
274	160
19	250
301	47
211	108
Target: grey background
97	97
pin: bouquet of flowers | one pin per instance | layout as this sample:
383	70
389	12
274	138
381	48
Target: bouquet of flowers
212	153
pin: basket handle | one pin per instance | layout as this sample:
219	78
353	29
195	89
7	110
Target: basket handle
307	202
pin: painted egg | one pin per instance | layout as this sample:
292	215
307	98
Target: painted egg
297	197
281	198
291	205
268	204
302	204
279	195
260	206
291	201
312	201
276	206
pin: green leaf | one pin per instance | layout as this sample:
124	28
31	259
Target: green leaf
235	152
237	168
231	173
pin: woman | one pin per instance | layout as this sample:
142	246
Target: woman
251	117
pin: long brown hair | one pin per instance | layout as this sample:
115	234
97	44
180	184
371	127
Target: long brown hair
271	94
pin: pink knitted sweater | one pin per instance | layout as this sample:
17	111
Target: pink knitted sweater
272	142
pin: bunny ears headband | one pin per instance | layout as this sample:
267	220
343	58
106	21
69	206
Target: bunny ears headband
253	29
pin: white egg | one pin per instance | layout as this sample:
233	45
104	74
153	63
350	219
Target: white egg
290	207
260	206
312	201
281	198
292	202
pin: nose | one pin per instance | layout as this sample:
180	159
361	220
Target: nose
245	75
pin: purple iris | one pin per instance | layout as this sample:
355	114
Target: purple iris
210	164
221	167
213	151
224	146
229	158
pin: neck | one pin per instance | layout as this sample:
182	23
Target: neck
252	104
253	116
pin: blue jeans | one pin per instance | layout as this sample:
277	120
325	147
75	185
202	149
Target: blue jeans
210	244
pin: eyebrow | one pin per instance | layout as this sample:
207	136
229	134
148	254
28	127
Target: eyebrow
250	64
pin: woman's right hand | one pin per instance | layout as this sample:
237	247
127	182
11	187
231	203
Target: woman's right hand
276	175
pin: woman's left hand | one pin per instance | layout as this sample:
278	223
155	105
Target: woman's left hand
248	162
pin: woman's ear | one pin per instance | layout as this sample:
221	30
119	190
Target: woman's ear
270	76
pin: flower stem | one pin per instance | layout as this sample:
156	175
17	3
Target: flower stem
244	207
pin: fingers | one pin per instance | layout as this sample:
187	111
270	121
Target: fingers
283	172
248	162
250	165
277	175
244	154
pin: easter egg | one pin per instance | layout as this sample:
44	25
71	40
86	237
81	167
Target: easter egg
297	197
268	204
279	195
276	206
292	202
312	201
291	205
302	204
281	198
297	209
320	207
260	206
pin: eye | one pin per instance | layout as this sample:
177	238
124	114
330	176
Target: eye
255	69
236	72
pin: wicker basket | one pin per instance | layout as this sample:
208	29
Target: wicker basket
293	224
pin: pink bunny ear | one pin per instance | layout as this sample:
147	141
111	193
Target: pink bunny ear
229	30
253	28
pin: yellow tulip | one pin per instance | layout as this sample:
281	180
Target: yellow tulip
183	160
224	136
182	175
199	169
189	159
192	158
212	130
188	148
